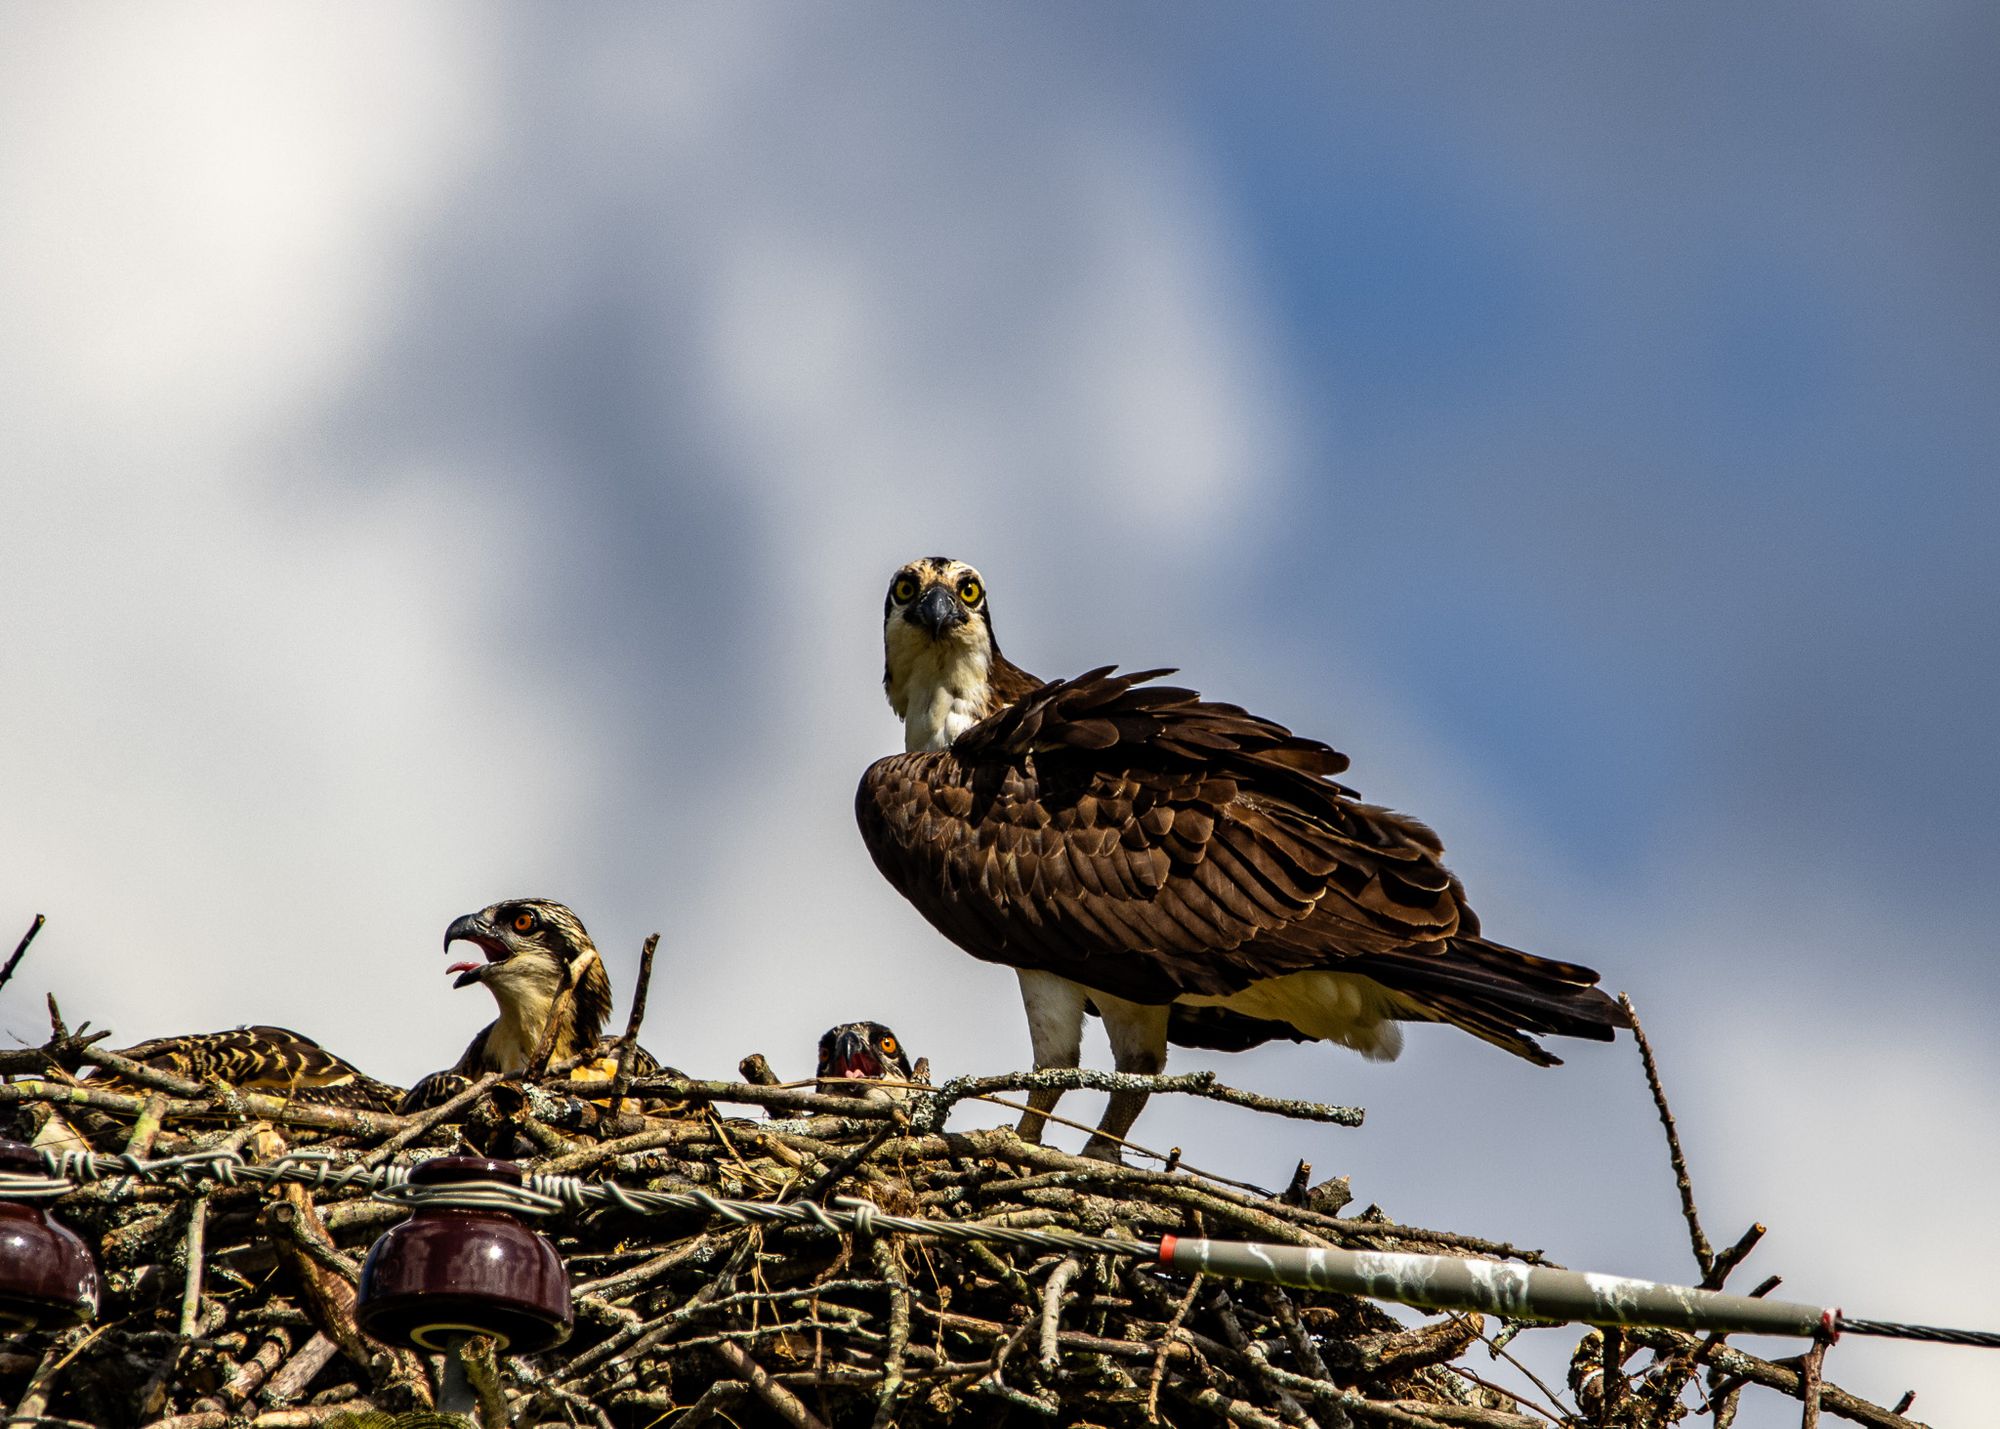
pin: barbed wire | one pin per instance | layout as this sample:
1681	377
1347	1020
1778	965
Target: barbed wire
1427	1281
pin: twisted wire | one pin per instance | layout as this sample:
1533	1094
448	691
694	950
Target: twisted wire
546	1195
1935	1334
543	1195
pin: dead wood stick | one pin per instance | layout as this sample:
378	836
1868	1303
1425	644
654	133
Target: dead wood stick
831	1177
41	1386
194	1247
139	1073
889	1265
1611	1349
629	1043
245	1378
1167	1342
1736	1364
1704	1254
1729	1259
655	1138
1232	1331
1001	1144
349	1120
1234	1410
931	1115
290	1379
146	1130
565	1000
424	1121
782	1401
1809	1382
1287	1316
21	947
700	1090
328	1278
306	1417
482	1372
712	1399
1052	1298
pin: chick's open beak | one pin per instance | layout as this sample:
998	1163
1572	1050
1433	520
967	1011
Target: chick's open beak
854	1056
472	928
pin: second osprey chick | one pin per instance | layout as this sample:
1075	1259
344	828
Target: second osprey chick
856	1053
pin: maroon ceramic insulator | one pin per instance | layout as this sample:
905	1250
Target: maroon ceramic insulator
447	1272
47	1276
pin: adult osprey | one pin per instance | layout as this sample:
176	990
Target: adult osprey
261	1059
1185	869
531	947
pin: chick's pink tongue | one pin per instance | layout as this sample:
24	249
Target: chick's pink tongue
462	968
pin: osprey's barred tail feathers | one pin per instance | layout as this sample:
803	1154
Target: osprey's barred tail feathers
1500	994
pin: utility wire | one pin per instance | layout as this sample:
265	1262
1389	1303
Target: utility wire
1434	1282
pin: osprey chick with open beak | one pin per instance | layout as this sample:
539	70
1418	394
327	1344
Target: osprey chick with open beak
857	1053
529	947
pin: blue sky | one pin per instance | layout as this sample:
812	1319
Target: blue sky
457	453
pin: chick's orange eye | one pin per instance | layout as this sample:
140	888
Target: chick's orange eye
523	922
968	591
903	589
889	1045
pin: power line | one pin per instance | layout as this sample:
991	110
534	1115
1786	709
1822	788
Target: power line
1432	1282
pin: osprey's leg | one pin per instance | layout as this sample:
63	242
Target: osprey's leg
1138	1035
1055	1026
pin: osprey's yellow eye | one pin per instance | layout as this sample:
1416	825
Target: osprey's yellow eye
888	1044
524	922
904	590
968	591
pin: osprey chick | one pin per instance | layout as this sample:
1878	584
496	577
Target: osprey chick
260	1059
531	947
1185	869
855	1053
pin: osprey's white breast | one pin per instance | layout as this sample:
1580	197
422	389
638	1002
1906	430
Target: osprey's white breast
943	693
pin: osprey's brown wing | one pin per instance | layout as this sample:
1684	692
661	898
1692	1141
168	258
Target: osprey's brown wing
273	1059
1147	843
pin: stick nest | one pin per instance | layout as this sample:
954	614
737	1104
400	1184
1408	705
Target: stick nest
235	1305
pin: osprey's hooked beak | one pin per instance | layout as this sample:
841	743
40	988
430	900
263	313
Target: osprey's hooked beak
854	1056
472	928
936	610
